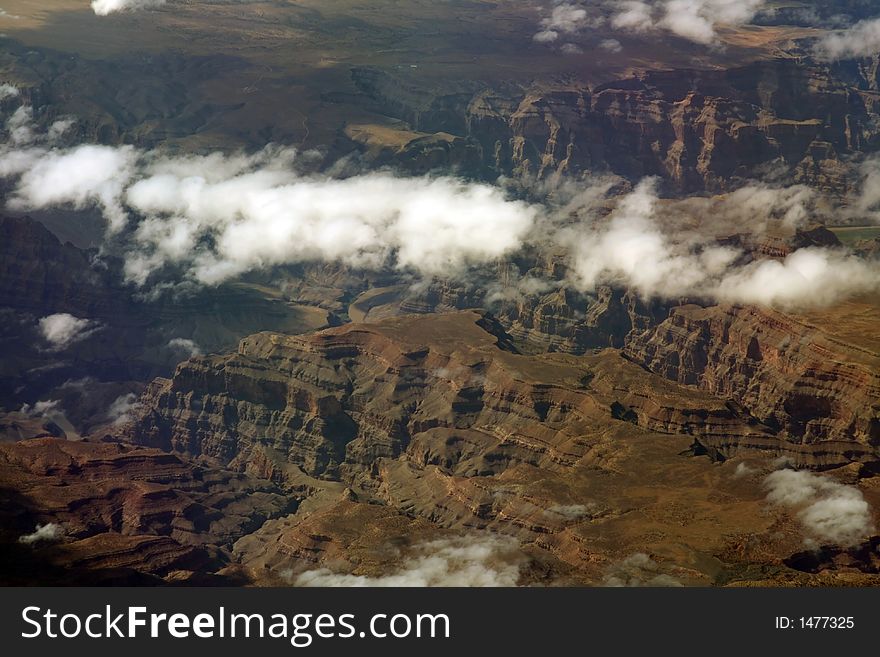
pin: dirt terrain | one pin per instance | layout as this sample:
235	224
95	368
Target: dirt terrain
323	421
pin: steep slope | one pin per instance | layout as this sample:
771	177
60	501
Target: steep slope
702	130
814	378
432	427
118	508
333	402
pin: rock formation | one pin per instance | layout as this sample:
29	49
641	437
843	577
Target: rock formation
815	380
438	419
701	130
128	509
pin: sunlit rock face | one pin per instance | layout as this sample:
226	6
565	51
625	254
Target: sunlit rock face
374	293
699	130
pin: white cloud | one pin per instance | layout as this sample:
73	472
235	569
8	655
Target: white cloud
755	206
8	91
571	49
633	16
63	329
812	276
867	203
565	18
208	219
639	570
632	249
20	127
222	216
860	40
518	289
473	561
546	36
105	7
695	20
185	345
45	408
47	532
58	129
829	511
611	45
22	131
82	384
120	411
572	511
79	177
461	375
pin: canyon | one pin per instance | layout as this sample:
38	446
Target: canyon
699	130
328	421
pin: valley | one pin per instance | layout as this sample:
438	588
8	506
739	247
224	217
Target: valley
315	293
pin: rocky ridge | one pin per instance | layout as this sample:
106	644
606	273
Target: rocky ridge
701	130
122	509
439	420
813	384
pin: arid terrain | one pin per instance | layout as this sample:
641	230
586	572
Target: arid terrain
542	293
